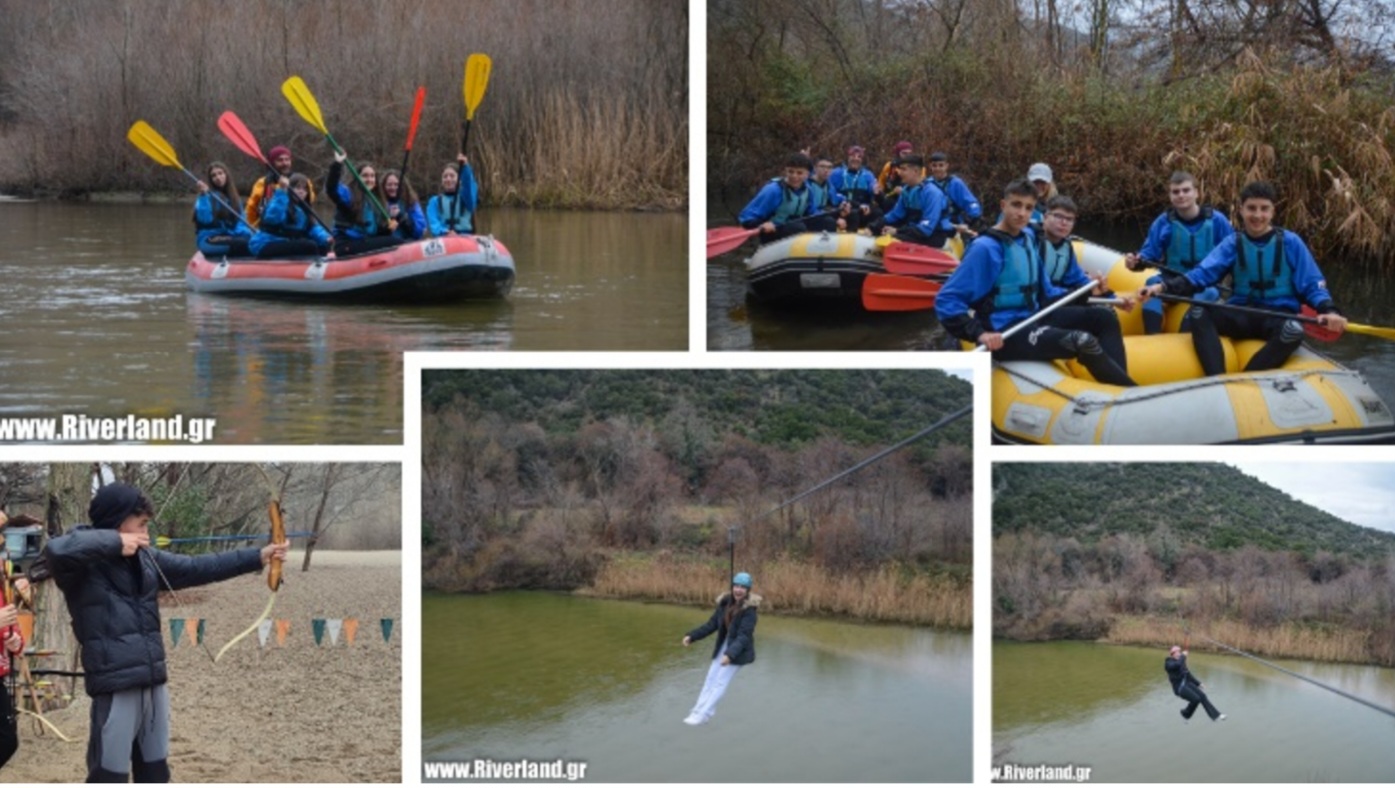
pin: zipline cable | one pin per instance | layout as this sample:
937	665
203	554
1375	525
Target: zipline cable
731	531
1299	676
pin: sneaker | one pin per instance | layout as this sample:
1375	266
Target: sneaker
1220	718
692	719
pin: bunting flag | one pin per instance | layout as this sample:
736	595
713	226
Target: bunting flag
335	624
283	628
176	629
317	626
386	625
263	632
350	629
199	631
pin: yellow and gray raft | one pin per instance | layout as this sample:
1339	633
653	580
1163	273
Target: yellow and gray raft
817	268
1311	399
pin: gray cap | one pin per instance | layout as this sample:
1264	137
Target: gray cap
1039	172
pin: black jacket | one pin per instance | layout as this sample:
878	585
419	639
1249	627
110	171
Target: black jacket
1177	674
113	601
742	648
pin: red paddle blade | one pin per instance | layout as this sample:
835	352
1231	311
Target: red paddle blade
721	240
917	260
891	293
236	131
1318	332
416	116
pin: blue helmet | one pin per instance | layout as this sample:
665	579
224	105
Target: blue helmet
741	579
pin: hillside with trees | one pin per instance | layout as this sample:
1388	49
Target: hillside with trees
629	483
1141	552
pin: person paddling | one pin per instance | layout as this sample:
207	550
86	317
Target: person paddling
403	206
734	621
858	187
961	206
358	225
1180	238
452	210
262	189
785	206
1186	686
1273	269
220	231
919	216
287	229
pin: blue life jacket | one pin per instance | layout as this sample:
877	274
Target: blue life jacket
850	189
367	224
1252	282
952	214
1186	248
915	211
1055	260
1019	281
457	217
297	223
822	194
793	205
224	221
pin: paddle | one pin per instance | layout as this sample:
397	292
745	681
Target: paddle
145	137
1074	294
298	93
893	293
1315	330
241	137
721	240
477	69
1354	328
412	128
917	260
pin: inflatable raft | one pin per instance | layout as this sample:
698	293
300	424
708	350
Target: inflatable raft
815	268
1311	399
435	269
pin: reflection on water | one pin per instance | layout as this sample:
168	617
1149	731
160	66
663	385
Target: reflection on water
1110	707
556	676
98	321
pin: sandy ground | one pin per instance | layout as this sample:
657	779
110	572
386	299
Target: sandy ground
304	713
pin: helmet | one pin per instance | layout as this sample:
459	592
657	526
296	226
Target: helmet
741	579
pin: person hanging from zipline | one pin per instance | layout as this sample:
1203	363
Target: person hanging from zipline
734	621
1186	686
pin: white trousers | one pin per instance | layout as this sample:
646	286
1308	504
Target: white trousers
718	677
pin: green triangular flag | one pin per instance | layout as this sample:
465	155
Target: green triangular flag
200	630
386	626
176	629
317	625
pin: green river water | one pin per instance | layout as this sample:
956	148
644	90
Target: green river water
547	676
1111	708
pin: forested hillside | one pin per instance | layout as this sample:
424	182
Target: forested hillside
629	483
1208	504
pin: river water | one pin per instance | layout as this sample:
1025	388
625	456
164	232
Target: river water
547	676
98	321
734	323
1110	708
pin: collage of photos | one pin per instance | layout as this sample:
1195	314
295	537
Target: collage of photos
371	416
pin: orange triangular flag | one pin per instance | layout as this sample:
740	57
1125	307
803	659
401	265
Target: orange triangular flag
283	628
350	629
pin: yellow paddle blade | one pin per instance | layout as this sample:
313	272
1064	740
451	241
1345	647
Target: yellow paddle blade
162	541
1375	331
304	102
477	68
152	144
883	241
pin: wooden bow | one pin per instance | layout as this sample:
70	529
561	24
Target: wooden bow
273	577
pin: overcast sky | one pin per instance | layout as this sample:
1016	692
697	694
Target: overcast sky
1358	492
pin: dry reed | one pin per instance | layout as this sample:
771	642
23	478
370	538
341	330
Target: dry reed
1291	640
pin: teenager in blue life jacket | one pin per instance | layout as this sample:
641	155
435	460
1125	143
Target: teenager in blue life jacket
961	206
220	232
1002	282
1059	264
1271	268
451	211
358	225
111	576
1186	686
287	229
734	622
403	206
783	206
825	197
1180	238
919	215
858	187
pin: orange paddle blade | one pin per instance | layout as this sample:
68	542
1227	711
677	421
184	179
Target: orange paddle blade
892	293
917	260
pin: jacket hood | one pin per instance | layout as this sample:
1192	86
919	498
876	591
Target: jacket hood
752	600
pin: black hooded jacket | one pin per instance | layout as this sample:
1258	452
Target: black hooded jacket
742	648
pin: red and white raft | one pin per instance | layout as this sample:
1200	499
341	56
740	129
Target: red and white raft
435	269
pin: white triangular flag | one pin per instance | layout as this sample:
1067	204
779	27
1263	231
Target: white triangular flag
264	632
334	626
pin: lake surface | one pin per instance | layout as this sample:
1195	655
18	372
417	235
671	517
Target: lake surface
98	321
539	675
1110	707
734	323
